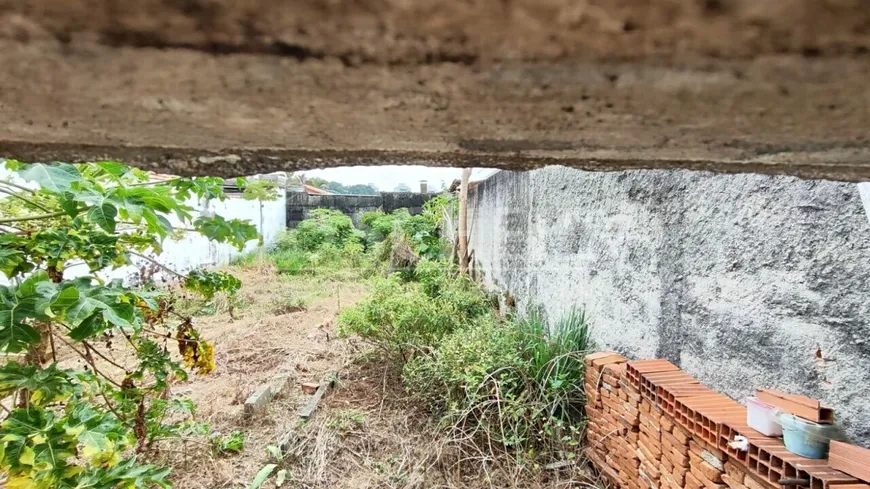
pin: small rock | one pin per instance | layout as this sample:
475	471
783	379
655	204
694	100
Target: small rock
310	387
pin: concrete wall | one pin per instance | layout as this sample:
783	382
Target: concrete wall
300	204
744	281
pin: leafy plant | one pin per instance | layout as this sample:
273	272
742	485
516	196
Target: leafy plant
232	443
259	190
262	475
292	262
84	428
345	421
325	226
423	230
403	317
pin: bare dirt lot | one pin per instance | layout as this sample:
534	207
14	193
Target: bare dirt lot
365	434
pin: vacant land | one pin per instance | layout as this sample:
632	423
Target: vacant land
366	434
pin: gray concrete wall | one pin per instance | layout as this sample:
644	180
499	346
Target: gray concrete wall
300	204
745	281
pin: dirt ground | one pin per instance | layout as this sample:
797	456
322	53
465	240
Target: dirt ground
264	343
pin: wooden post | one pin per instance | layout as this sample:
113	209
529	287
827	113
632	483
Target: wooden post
463	221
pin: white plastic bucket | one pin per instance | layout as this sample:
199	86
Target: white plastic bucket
763	417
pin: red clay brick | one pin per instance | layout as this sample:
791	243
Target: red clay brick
693	482
802	406
707	483
752	483
675	444
652	471
708	471
850	459
678	459
670	480
645	454
735	471
666	424
599	360
732	482
681	434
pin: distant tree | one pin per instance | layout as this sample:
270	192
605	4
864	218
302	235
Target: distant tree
335	188
443	185
316	182
402	187
362	189
338	188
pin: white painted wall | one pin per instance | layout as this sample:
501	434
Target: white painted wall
196	251
193	250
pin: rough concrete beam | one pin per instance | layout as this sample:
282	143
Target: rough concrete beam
190	112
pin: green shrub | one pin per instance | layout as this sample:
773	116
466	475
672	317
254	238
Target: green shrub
398	318
286	241
325	227
380	225
554	358
450	377
421	230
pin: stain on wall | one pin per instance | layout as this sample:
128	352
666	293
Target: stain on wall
744	281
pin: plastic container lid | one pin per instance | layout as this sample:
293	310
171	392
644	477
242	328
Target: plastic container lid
822	432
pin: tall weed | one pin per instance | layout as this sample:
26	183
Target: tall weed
515	384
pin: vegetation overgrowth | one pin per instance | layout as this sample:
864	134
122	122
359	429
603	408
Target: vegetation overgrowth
95	426
497	382
510	382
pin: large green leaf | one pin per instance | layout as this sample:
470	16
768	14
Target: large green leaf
157	223
235	231
105	302
103	215
13	262
15	334
57	177
113	168
262	475
46	385
50	303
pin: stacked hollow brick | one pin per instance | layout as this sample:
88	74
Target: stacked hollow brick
651	425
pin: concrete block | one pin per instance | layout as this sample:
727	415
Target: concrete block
258	401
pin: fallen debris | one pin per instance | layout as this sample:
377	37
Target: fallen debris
258	401
308	411
310	387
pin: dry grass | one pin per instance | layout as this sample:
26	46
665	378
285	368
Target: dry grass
366	433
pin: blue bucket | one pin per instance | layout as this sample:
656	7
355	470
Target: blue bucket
805	438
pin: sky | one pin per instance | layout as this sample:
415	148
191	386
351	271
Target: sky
387	177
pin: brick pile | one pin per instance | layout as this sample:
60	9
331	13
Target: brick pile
653	426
